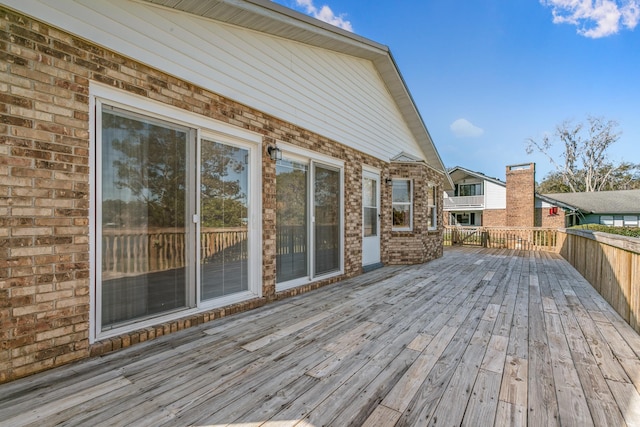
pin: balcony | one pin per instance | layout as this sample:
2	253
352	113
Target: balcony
464	202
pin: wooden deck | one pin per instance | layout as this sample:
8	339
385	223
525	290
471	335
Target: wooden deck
480	337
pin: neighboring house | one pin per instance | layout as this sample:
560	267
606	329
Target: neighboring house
167	163
479	200
613	208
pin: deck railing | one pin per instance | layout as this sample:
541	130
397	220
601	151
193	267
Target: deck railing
525	238
611	264
131	252
463	202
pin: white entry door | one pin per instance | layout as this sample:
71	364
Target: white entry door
370	218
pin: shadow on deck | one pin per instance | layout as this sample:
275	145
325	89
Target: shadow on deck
479	337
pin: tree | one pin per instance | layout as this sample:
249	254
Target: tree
149	162
553	183
585	165
223	198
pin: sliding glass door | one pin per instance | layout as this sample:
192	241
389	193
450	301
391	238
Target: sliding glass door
173	218
291	220
224	179
145	235
327	219
308	221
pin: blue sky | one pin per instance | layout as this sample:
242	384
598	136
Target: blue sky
487	75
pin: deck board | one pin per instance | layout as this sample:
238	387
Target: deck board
478	337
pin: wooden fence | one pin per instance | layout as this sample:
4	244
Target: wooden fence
611	264
525	238
137	251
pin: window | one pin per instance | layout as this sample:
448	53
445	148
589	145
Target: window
630	221
606	220
309	223
432	207
370	207
469	189
173	204
463	219
402	204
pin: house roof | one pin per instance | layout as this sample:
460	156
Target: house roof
270	18
458	172
602	202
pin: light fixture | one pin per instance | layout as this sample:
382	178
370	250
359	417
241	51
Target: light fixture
388	181
274	152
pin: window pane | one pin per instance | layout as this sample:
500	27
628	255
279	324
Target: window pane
401	191
431	196
291	220
431	217
369	193
327	220
370	222
402	216
224	215
606	220
143	210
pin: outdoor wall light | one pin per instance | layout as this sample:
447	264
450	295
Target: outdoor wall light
274	152
388	181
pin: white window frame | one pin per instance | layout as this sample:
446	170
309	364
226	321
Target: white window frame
409	203
432	210
630	221
311	158
205	128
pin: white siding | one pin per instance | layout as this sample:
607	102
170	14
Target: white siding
542	204
335	95
495	196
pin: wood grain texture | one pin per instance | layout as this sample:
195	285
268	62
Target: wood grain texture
479	337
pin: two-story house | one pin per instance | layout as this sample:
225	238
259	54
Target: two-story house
480	200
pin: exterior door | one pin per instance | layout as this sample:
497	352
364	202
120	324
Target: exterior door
370	218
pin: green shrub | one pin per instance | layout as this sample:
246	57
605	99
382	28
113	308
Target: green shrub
622	231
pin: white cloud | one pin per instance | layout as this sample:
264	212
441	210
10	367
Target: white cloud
463	128
325	14
595	18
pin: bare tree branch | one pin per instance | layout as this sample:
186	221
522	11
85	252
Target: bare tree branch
585	165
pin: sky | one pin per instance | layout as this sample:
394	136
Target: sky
487	75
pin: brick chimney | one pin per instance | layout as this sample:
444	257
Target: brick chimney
521	195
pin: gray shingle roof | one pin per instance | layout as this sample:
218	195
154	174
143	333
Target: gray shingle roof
602	202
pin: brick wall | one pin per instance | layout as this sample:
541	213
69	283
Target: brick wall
420	244
44	192
545	218
520	195
494	217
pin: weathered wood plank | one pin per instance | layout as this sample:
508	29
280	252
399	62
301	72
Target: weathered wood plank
40	413
483	403
628	400
478	337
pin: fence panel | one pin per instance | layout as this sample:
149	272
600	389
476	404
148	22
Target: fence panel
533	238
611	264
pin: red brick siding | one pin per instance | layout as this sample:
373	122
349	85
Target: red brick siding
420	244
544	218
520	196
494	217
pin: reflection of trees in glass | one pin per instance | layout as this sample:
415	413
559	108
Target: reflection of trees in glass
327	196
291	191
149	162
223	201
